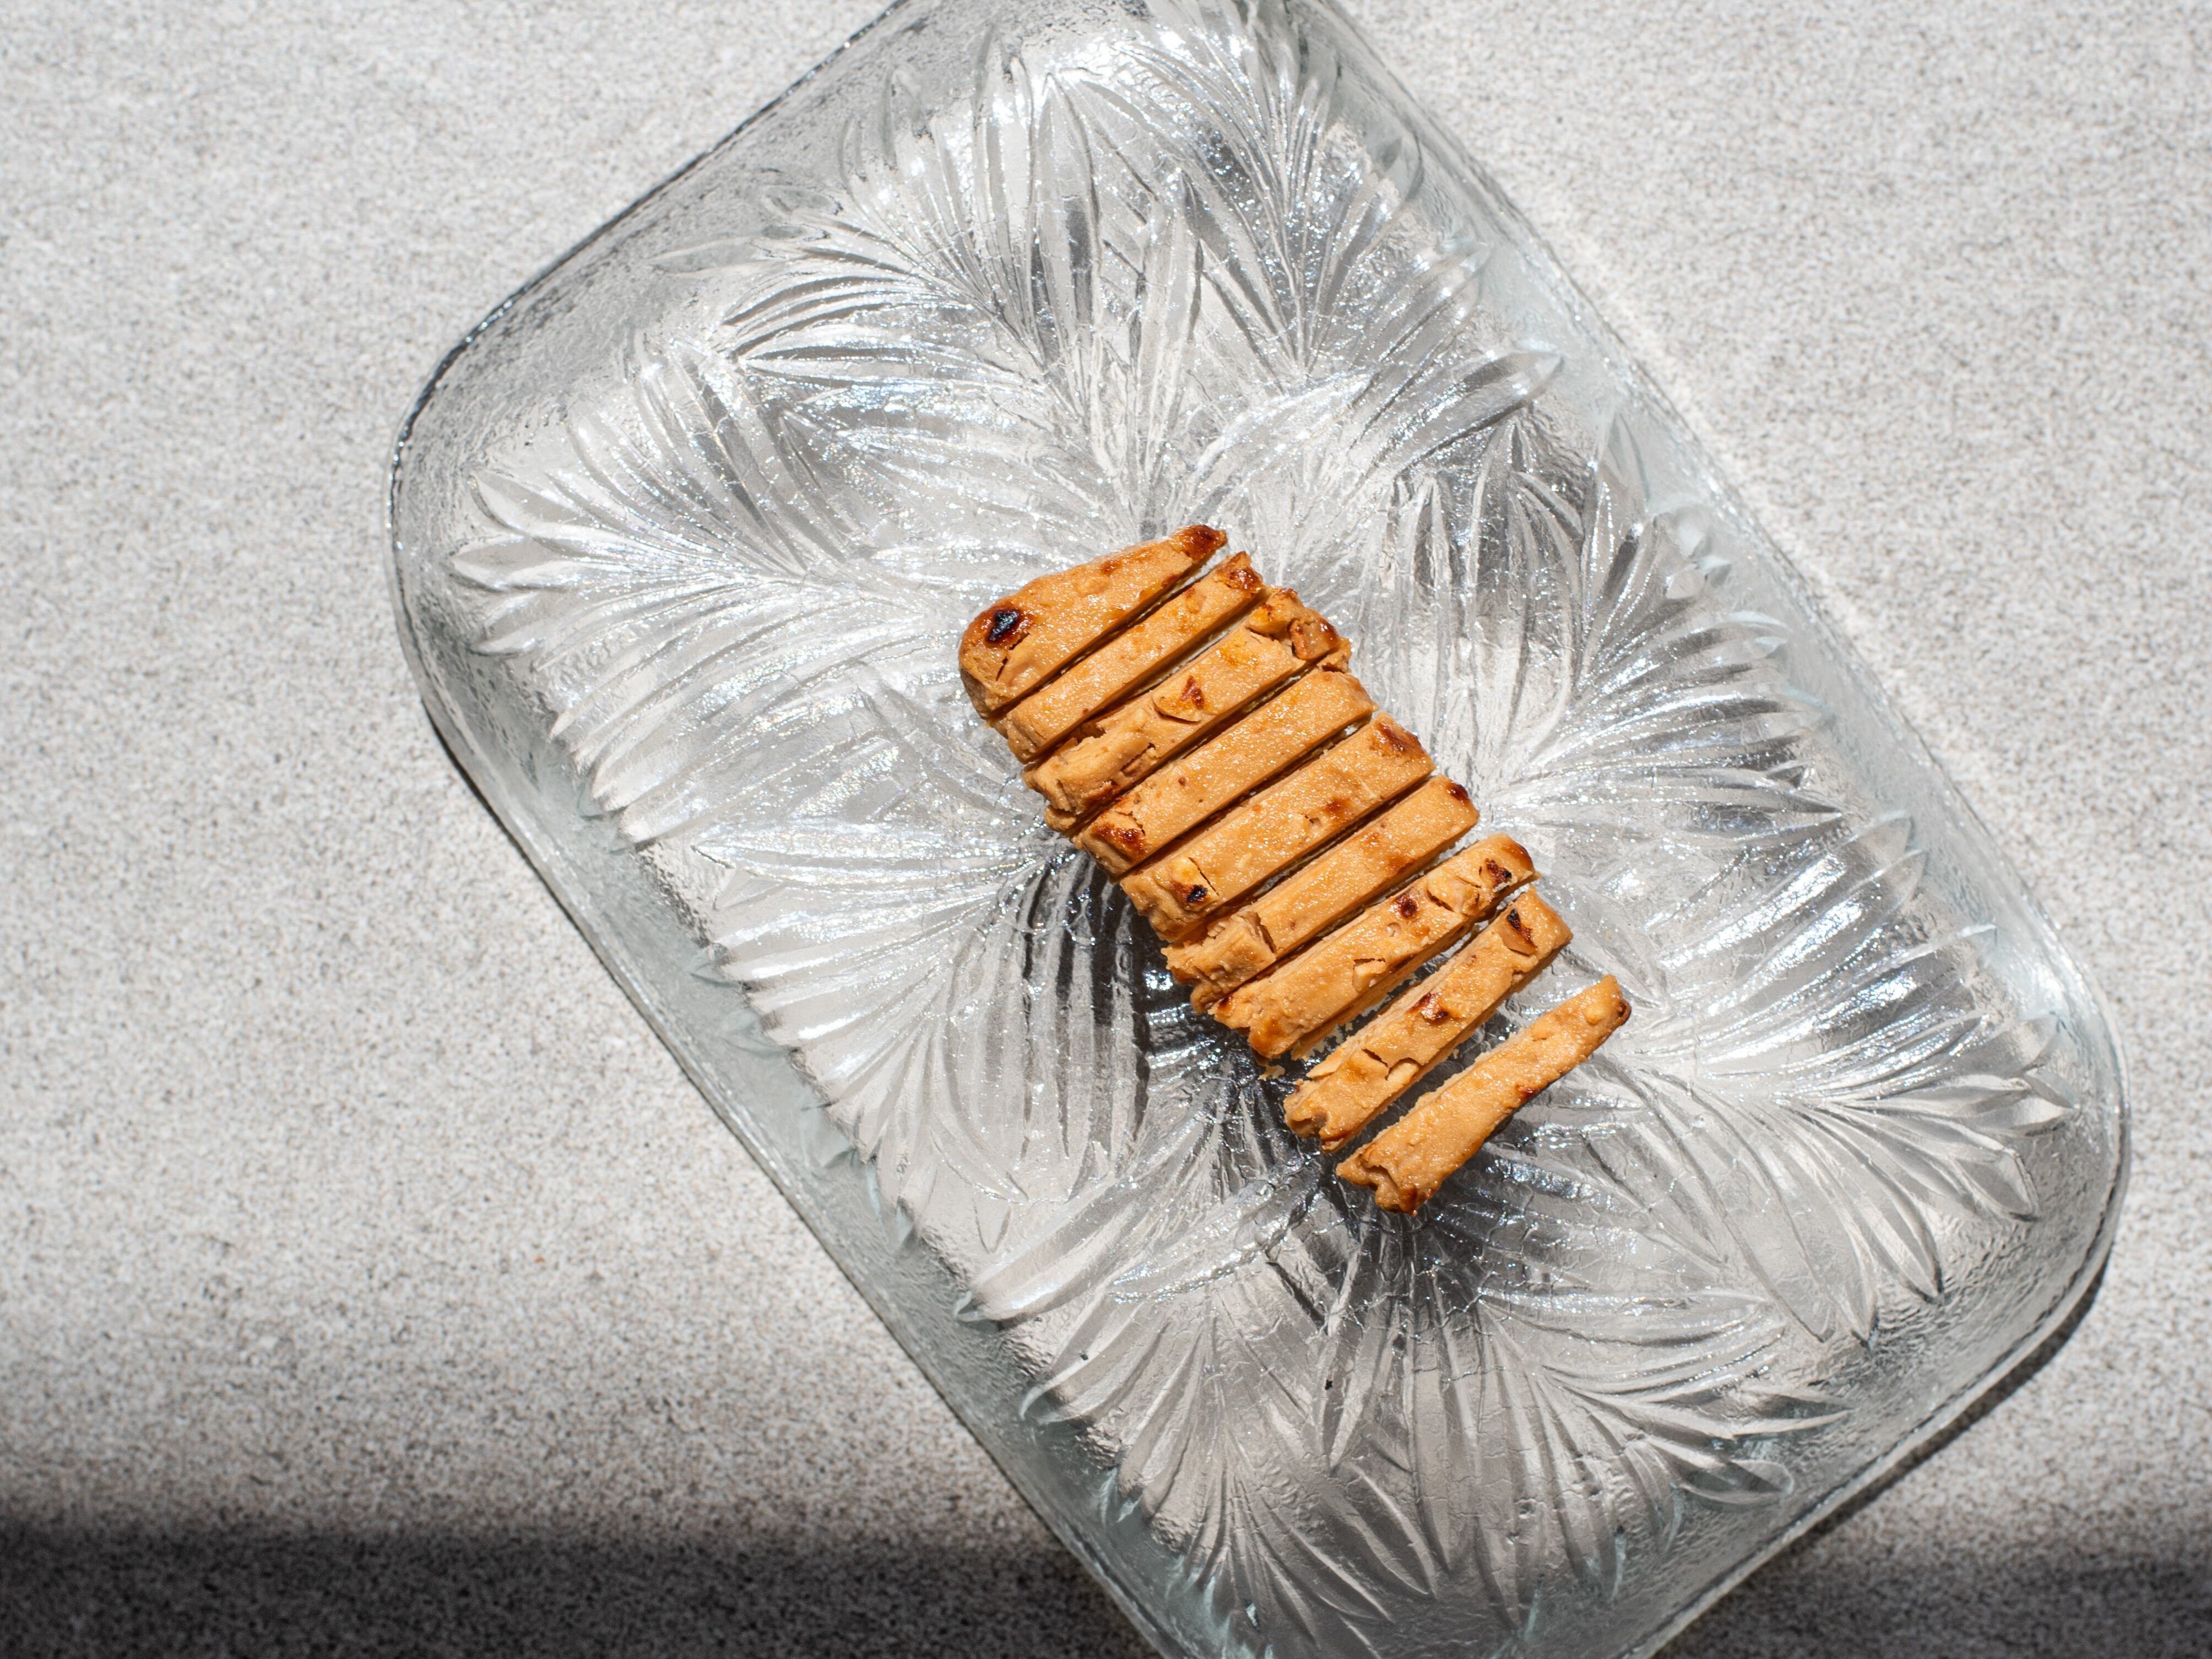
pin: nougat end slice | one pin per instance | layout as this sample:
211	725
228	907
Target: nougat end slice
1347	1090
1016	643
1278	639
1405	1164
1170	629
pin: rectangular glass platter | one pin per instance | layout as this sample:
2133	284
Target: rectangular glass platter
683	537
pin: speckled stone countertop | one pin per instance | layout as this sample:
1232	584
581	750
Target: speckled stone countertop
370	1279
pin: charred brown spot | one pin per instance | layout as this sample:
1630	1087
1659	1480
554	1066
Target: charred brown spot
1455	792
1432	1009
1496	873
1241	577
1196	895
1193	693
1129	837
1406	905
1335	806
1394	737
1006	623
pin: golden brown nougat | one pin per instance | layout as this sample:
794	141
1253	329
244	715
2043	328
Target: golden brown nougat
1278	733
1020	640
1278	639
1277	827
1408	1161
1170	629
1368	861
1361	962
1345	1092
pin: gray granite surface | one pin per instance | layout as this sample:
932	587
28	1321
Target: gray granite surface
371	1281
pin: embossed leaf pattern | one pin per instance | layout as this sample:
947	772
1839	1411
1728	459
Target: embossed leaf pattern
1097	300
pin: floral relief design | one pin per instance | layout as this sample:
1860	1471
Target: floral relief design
1181	282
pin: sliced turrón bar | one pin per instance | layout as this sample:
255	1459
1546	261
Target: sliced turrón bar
1177	798
1019	641
1408	1161
1278	638
1282	824
1199	736
1360	868
1356	1084
1131	658
1361	962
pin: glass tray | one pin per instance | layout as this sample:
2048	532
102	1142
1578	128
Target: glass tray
683	537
